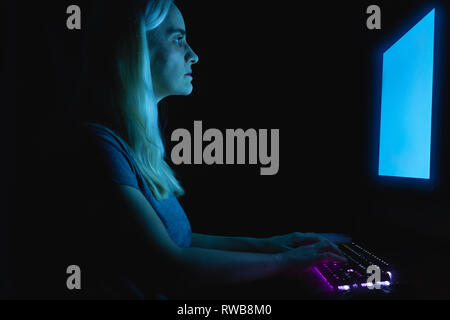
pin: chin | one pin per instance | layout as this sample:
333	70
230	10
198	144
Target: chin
185	90
188	91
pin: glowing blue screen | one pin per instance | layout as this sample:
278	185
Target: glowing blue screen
406	103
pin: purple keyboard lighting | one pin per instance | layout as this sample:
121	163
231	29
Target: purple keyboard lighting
353	275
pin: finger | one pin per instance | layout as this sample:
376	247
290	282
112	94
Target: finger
341	238
337	237
326	245
344	239
330	256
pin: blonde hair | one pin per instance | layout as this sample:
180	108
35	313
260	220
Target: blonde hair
127	100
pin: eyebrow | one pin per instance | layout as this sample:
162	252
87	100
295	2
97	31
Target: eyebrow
175	30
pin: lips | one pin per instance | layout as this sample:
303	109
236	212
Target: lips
189	74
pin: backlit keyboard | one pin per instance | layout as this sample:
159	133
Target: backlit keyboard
354	274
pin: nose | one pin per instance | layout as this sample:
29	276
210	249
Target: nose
191	56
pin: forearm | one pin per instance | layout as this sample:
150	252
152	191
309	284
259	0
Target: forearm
226	243
200	267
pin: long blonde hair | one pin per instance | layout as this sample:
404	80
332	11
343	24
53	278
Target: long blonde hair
120	84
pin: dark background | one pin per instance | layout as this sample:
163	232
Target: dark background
311	70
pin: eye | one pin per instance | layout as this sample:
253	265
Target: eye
178	40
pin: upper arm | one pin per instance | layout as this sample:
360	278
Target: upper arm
146	223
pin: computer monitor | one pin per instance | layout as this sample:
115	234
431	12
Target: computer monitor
406	135
407	103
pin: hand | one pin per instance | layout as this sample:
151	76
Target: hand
298	260
289	241
336	238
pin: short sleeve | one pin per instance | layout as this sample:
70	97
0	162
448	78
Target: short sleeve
113	159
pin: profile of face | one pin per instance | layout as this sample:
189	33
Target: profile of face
171	58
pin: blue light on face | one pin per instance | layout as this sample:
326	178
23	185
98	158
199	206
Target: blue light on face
406	103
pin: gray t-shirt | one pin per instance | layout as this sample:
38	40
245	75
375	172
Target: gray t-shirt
121	168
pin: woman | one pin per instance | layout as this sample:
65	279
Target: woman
137	56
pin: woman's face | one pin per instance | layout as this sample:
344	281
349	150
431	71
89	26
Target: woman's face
171	57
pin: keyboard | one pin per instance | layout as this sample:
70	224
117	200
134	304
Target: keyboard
354	274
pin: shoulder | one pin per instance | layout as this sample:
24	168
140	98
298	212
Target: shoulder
112	154
104	135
